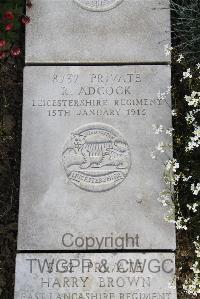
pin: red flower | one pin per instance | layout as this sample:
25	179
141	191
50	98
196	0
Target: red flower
25	20
8	27
15	51
2	43
9	15
2	55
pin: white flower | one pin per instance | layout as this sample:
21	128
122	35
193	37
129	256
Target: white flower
190	118
168	165
169	131
177	177
180	58
198	66
160	147
174	113
157	129
193	99
185	179
195	189
172	165
197	247
193	207
195	267
194	141
181	223
187	74
167	50
161	95
192	286
164	198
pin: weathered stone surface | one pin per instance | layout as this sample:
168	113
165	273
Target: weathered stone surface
87	178
95	275
76	31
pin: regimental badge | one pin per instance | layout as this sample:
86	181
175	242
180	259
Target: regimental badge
96	157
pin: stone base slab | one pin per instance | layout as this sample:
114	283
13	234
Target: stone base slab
95	276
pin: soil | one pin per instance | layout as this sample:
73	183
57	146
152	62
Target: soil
10	143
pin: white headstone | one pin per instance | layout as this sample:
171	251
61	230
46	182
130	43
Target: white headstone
87	178
98	31
95	276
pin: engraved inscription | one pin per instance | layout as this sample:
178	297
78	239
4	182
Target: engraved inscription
98	5
103	94
95	276
96	157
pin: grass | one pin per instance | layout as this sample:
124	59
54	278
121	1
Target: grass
186	28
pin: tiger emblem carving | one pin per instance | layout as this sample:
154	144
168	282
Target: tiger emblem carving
99	154
95	152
